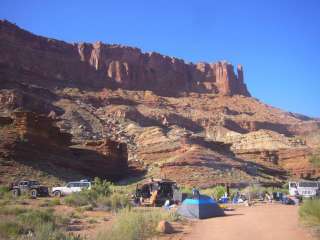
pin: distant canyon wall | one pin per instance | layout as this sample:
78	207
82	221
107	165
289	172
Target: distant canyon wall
28	58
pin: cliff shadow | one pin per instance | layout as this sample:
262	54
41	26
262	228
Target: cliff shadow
68	164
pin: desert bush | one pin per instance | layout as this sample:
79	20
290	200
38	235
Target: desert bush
30	224
309	212
115	201
102	193
51	202
215	192
78	199
4	191
12	211
84	208
100	188
46	231
135	224
10	229
34	218
6	195
75	214
54	202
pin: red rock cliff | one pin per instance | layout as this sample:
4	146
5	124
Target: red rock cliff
39	60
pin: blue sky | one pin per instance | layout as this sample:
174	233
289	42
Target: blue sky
277	41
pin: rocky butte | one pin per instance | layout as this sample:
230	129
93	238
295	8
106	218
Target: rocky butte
50	62
117	109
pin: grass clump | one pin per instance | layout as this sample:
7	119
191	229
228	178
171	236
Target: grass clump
22	223
34	218
4	191
79	199
102	194
15	211
51	202
5	195
134	224
115	201
309	213
10	229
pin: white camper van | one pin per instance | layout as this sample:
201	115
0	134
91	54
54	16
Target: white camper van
304	188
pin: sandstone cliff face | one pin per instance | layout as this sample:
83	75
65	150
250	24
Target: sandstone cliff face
29	139
173	119
49	62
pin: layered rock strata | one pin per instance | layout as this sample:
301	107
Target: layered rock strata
33	140
50	62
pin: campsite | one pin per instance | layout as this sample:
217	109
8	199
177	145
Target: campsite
159	120
108	211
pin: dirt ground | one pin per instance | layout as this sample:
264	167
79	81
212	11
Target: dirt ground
263	222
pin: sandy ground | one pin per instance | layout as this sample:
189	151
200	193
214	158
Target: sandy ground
263	222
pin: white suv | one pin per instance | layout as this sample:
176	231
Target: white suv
71	187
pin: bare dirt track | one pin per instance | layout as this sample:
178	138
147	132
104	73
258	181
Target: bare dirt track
263	222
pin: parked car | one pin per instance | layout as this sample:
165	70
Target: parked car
29	187
71	187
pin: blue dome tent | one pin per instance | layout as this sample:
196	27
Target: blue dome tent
200	208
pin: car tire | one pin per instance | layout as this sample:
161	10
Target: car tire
33	193
15	193
57	193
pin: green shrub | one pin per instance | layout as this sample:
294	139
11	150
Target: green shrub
216	192
84	208
51	202
12	210
102	193
34	218
115	201
30	224
77	215
46	231
4	202
10	229
78	199
4	191
101	187
136	224
309	212
54	202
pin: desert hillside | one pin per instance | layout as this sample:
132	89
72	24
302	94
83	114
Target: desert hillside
73	110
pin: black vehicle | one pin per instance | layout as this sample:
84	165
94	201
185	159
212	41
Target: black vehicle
166	190
29	187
